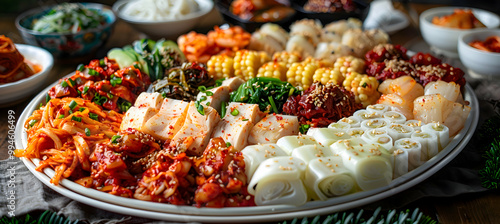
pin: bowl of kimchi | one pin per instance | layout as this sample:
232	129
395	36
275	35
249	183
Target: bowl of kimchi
441	27
12	92
479	51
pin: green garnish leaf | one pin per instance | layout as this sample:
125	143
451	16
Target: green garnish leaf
115	138
32	122
223	109
47	98
64	84
228	144
81	109
304	128
94	116
208	93
61	116
85	90
87	131
80	67
72	104
75	118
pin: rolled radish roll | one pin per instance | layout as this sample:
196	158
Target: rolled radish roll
340	126
370	163
310	152
379	108
254	155
289	143
355	132
415	124
354	122
429	142
327	136
398	131
394	117
413	159
374	123
279	181
441	131
328	177
363	115
378	136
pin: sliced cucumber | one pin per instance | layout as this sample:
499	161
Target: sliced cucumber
121	57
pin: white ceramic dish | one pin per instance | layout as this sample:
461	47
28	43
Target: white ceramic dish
479	62
168	28
247	214
19	90
444	40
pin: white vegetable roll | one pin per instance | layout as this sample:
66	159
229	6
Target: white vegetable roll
254	155
415	124
394	117
374	123
414	153
328	177
399	161
370	163
353	121
310	152
289	143
378	108
355	132
279	181
339	126
441	131
397	131
430	144
378	136
363	115
327	136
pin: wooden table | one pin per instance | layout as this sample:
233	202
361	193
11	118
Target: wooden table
478	208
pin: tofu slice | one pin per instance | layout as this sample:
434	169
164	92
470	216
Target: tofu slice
246	111
153	100
234	132
273	127
233	83
137	117
219	94
168	121
195	133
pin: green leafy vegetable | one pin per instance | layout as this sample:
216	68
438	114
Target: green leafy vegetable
304	128
94	116
268	93
75	118
69	18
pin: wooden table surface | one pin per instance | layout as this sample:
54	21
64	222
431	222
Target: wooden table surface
478	208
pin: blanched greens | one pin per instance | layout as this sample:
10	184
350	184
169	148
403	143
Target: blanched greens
269	93
69	17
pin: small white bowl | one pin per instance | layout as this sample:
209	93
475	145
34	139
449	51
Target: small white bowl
169	29
479	62
19	90
445	40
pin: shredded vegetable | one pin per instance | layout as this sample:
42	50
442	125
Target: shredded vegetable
69	17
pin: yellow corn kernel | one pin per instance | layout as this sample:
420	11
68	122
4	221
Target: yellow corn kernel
363	87
301	73
247	63
287	58
273	69
346	64
325	75
220	66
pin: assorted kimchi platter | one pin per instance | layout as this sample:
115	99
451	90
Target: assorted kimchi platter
232	118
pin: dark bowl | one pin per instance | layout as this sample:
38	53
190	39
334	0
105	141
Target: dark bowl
67	45
361	11
224	8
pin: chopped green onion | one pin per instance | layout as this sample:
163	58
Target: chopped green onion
70	111
71	82
200	108
102	63
124	106
47	98
79	92
209	93
364	85
64	84
72	104
245	120
223	109
303	128
61	116
32	122
40	106
85	90
75	118
81	109
115	81
203	98
228	144
235	112
80	67
87	131
110	95
93	72
208	104
114	138
164	94
202	88
94	116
